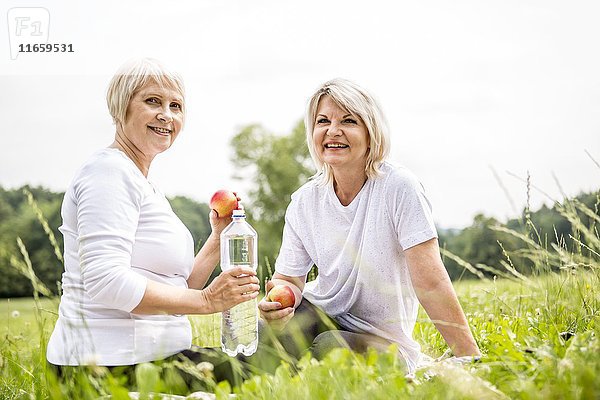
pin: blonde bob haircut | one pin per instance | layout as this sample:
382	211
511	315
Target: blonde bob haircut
358	102
134	75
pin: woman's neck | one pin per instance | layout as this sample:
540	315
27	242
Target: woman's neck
347	186
131	151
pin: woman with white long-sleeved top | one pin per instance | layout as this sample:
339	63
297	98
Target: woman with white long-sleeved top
131	275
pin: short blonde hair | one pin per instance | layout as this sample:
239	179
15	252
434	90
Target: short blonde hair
357	101
131	77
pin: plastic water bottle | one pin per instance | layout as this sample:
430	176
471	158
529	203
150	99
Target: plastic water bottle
239	325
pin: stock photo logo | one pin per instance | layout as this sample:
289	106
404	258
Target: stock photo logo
28	30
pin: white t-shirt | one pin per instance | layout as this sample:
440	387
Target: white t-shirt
363	280
119	231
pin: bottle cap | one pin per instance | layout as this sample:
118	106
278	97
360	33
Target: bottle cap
239	212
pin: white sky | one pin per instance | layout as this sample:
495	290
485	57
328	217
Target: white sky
466	86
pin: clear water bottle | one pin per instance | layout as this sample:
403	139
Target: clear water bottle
239	325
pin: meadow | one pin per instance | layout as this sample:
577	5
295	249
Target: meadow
540	339
539	335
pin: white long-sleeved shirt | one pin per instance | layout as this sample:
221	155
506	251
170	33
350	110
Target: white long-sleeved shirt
119	231
363	280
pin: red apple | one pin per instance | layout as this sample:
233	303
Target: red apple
223	202
282	294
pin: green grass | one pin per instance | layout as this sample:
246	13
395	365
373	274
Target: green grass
539	335
540	339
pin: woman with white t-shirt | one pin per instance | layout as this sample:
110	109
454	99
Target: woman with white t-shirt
130	271
368	228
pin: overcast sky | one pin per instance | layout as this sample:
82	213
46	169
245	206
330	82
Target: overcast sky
467	87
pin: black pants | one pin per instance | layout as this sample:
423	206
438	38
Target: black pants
310	330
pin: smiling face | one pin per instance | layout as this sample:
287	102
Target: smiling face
340	138
154	119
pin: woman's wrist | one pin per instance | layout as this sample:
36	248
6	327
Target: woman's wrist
211	245
202	302
214	238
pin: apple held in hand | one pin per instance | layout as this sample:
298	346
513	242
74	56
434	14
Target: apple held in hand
282	294
223	202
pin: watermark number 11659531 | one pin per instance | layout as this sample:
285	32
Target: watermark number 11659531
46	48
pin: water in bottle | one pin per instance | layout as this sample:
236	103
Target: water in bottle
239	325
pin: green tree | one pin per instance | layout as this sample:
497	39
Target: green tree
194	216
20	220
549	225
480	245
277	165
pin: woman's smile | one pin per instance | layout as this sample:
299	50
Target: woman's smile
161	131
336	146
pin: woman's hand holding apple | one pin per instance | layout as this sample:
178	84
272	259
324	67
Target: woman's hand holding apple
222	204
277	307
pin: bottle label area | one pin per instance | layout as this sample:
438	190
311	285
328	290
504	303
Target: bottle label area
241	250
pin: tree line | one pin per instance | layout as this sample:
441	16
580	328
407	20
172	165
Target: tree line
278	165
